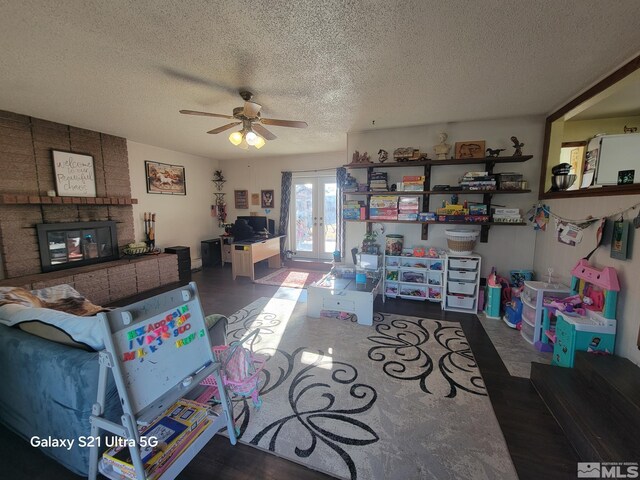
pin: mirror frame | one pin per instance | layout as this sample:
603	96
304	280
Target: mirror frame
633	189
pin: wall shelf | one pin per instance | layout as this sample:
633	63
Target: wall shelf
488	164
449	161
440	192
17	199
435	222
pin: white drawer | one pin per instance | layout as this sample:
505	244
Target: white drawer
337	303
463	263
527	332
464	288
462	275
461	302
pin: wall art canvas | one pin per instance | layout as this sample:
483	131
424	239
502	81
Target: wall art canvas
241	198
266	198
165	179
75	174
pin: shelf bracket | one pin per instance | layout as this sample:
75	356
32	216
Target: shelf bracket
484	233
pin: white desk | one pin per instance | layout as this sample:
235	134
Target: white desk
340	294
244	255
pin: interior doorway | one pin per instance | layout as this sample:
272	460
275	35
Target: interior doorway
313	219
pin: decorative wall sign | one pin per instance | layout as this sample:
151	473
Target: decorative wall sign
620	240
241	198
266	198
255	199
470	149
165	179
75	174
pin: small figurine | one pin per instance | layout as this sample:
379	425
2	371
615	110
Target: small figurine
494	152
443	148
357	158
383	155
518	146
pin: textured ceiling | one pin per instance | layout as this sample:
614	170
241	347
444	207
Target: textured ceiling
127	67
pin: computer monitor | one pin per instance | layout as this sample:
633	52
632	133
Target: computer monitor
260	223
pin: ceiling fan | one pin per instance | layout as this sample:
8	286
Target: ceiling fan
252	133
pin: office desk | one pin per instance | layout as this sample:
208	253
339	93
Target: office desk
245	254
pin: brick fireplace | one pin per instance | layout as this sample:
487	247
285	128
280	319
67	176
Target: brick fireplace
27	175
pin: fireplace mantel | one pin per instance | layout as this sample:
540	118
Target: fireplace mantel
18	199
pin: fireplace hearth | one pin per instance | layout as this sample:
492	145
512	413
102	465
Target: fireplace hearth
67	245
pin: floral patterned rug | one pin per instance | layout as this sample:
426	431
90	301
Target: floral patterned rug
401	399
293	278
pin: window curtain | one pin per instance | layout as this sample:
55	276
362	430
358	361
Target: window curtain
341	175
285	200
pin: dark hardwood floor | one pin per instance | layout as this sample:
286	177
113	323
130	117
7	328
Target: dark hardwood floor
536	443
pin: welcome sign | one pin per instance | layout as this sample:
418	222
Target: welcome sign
74	173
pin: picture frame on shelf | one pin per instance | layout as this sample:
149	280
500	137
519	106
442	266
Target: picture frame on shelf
165	179
241	198
470	149
74	174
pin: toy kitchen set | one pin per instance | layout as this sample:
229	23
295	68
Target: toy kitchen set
586	320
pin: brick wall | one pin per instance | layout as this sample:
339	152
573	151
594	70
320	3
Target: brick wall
26	167
107	282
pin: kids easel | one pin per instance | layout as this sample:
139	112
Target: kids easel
157	350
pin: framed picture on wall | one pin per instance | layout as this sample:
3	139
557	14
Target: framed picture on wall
266	197
255	199
74	173
241	198
165	179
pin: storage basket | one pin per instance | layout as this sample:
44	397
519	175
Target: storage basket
461	241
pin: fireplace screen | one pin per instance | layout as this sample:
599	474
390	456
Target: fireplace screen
65	245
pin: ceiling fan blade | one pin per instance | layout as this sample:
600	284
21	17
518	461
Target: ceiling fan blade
251	109
224	127
263	132
205	114
283	123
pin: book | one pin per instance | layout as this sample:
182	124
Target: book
167	431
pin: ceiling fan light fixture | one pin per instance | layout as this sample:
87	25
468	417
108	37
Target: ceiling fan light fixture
259	143
236	138
243	144
251	138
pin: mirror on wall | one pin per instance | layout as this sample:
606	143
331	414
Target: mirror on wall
592	144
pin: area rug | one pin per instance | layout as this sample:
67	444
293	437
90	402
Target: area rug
402	399
294	278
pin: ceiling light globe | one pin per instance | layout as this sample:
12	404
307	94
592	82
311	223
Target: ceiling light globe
251	138
235	138
243	144
259	143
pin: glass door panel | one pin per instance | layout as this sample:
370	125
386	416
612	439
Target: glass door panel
304	216
328	217
313	216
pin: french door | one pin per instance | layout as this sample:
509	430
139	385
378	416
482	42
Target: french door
313	216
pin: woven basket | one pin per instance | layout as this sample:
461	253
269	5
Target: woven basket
461	241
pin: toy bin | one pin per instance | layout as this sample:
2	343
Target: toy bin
460	301
463	288
464	276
